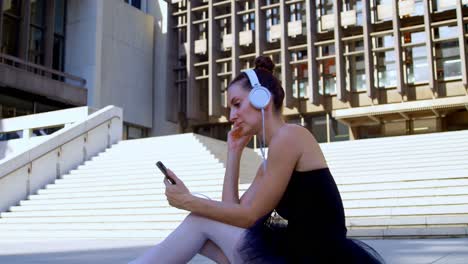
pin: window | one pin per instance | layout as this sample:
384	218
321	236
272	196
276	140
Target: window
272	18
327	69
448	60
356	70
248	21
317	125
357	6
36	33
300	79
297	12
59	36
134	3
383	10
447	52
441	5
325	15
11	25
415	57
384	55
386	69
338	131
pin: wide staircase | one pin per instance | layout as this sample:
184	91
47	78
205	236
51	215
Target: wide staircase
410	186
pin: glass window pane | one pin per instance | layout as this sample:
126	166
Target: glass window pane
446	32
357	73
58	56
448	59
317	125
440	5
12	7
386	69
417	69
37	12
36	47
60	17
338	131
10	35
385	41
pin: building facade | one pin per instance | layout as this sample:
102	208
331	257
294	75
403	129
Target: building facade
350	69
57	54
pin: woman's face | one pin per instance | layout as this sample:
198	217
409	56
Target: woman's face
243	114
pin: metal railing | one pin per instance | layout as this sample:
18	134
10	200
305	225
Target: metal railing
40	70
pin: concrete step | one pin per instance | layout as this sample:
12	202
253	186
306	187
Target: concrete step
404	185
138	178
179	167
414	173
407	211
347	156
420	166
393	194
167	226
46	196
398	161
84	234
402	202
150	210
450	220
136	219
415	232
150	162
126	182
344	178
106	174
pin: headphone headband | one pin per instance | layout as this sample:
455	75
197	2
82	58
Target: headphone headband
252	78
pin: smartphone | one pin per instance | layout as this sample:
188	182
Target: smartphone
163	169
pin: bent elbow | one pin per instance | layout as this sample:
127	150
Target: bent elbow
249	221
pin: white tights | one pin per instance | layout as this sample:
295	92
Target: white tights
196	234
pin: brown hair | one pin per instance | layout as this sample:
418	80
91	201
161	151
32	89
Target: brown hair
264	67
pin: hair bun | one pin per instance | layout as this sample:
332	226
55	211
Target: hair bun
265	63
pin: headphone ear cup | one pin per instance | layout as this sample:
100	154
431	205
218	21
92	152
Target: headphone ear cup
259	97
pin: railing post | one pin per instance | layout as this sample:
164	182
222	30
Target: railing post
27	133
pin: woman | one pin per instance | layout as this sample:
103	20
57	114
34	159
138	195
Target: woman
295	183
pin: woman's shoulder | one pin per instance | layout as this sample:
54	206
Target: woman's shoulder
296	132
292	136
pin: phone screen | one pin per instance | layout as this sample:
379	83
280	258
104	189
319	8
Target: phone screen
163	169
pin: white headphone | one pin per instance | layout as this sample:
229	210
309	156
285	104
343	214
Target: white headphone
259	97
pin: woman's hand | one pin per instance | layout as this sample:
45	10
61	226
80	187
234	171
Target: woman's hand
237	142
178	195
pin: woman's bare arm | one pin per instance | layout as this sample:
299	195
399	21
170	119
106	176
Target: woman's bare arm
231	178
283	154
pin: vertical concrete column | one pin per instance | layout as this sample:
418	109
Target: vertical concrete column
1	23
368	56
286	75
172	107
339	51
260	29
313	87
193	92
398	49
235	29
462	44
49	34
24	30
430	47
214	90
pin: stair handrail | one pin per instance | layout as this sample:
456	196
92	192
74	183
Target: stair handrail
22	160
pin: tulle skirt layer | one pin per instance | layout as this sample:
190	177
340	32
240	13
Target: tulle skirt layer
271	242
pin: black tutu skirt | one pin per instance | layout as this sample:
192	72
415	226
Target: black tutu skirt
270	241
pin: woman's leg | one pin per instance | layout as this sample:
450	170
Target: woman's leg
213	252
189	238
